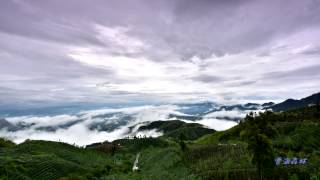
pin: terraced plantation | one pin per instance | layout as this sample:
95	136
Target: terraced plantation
219	161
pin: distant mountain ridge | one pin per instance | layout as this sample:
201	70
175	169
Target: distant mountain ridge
290	104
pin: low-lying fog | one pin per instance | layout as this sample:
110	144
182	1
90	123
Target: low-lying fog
86	127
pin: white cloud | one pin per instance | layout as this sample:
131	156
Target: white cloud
150	133
238	75
80	133
43	121
217	124
117	36
77	134
223	113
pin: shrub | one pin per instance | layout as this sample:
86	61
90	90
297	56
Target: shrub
6	143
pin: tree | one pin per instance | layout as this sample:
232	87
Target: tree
182	144
263	155
284	116
257	133
113	148
6	143
318	110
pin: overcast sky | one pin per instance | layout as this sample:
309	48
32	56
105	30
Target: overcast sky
157	51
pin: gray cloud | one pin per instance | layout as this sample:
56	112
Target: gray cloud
145	50
208	79
312	51
303	73
182	27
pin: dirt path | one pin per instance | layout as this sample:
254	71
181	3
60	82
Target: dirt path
135	164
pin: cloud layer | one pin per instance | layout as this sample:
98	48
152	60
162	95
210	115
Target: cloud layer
60	52
92	126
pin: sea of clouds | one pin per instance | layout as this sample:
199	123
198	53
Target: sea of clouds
84	127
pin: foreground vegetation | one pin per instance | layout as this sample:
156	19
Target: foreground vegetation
232	154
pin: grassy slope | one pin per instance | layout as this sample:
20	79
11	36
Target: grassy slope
219	161
48	160
175	128
158	163
53	160
221	137
298	135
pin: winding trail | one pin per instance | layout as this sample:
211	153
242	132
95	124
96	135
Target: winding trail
135	164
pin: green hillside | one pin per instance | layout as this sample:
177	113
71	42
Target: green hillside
295	133
217	155
175	128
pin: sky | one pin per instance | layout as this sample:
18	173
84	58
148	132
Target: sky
55	52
